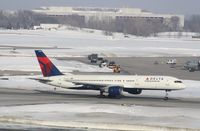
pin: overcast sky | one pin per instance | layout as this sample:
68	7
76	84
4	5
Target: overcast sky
186	7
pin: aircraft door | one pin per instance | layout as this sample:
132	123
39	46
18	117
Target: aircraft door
167	83
59	82
137	83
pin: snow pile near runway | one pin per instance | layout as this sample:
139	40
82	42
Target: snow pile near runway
80	43
31	64
102	116
65	43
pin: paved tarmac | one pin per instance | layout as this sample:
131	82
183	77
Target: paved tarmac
12	97
17	97
147	66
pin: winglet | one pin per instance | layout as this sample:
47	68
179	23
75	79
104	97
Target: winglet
47	67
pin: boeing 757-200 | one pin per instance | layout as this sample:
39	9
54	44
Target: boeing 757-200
112	85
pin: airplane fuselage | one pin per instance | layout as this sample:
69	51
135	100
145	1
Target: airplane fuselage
125	81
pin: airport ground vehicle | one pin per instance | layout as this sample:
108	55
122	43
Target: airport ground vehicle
93	58
117	69
192	66
171	61
111	64
104	63
112	85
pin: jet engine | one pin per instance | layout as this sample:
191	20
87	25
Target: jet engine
114	91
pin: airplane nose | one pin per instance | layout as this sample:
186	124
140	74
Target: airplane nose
182	86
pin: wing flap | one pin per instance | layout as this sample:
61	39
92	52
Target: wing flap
41	80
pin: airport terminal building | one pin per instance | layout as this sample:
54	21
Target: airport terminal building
87	13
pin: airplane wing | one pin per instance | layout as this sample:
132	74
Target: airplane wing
4	78
94	86
41	80
89	84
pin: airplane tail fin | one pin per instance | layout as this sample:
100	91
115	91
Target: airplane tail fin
47	67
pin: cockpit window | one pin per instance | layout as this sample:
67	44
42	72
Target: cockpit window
178	82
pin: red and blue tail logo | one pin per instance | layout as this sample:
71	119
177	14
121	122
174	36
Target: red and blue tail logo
47	67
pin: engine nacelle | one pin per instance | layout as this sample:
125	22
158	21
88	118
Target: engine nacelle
133	91
114	91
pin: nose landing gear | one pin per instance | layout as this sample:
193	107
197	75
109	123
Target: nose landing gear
166	94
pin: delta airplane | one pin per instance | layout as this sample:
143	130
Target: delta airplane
111	85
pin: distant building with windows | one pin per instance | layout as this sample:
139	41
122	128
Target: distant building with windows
110	13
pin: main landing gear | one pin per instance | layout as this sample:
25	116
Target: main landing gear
113	92
101	93
166	95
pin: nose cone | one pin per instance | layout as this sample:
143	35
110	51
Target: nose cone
179	84
182	86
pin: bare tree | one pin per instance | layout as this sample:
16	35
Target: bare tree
193	23
128	25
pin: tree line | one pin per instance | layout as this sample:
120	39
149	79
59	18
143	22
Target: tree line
137	26
22	19
192	23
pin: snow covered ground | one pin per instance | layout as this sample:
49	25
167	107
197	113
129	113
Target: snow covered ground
62	43
31	64
81	43
92	115
102	116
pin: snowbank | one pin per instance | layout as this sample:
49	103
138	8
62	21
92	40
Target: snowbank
102	116
31	64
80	43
